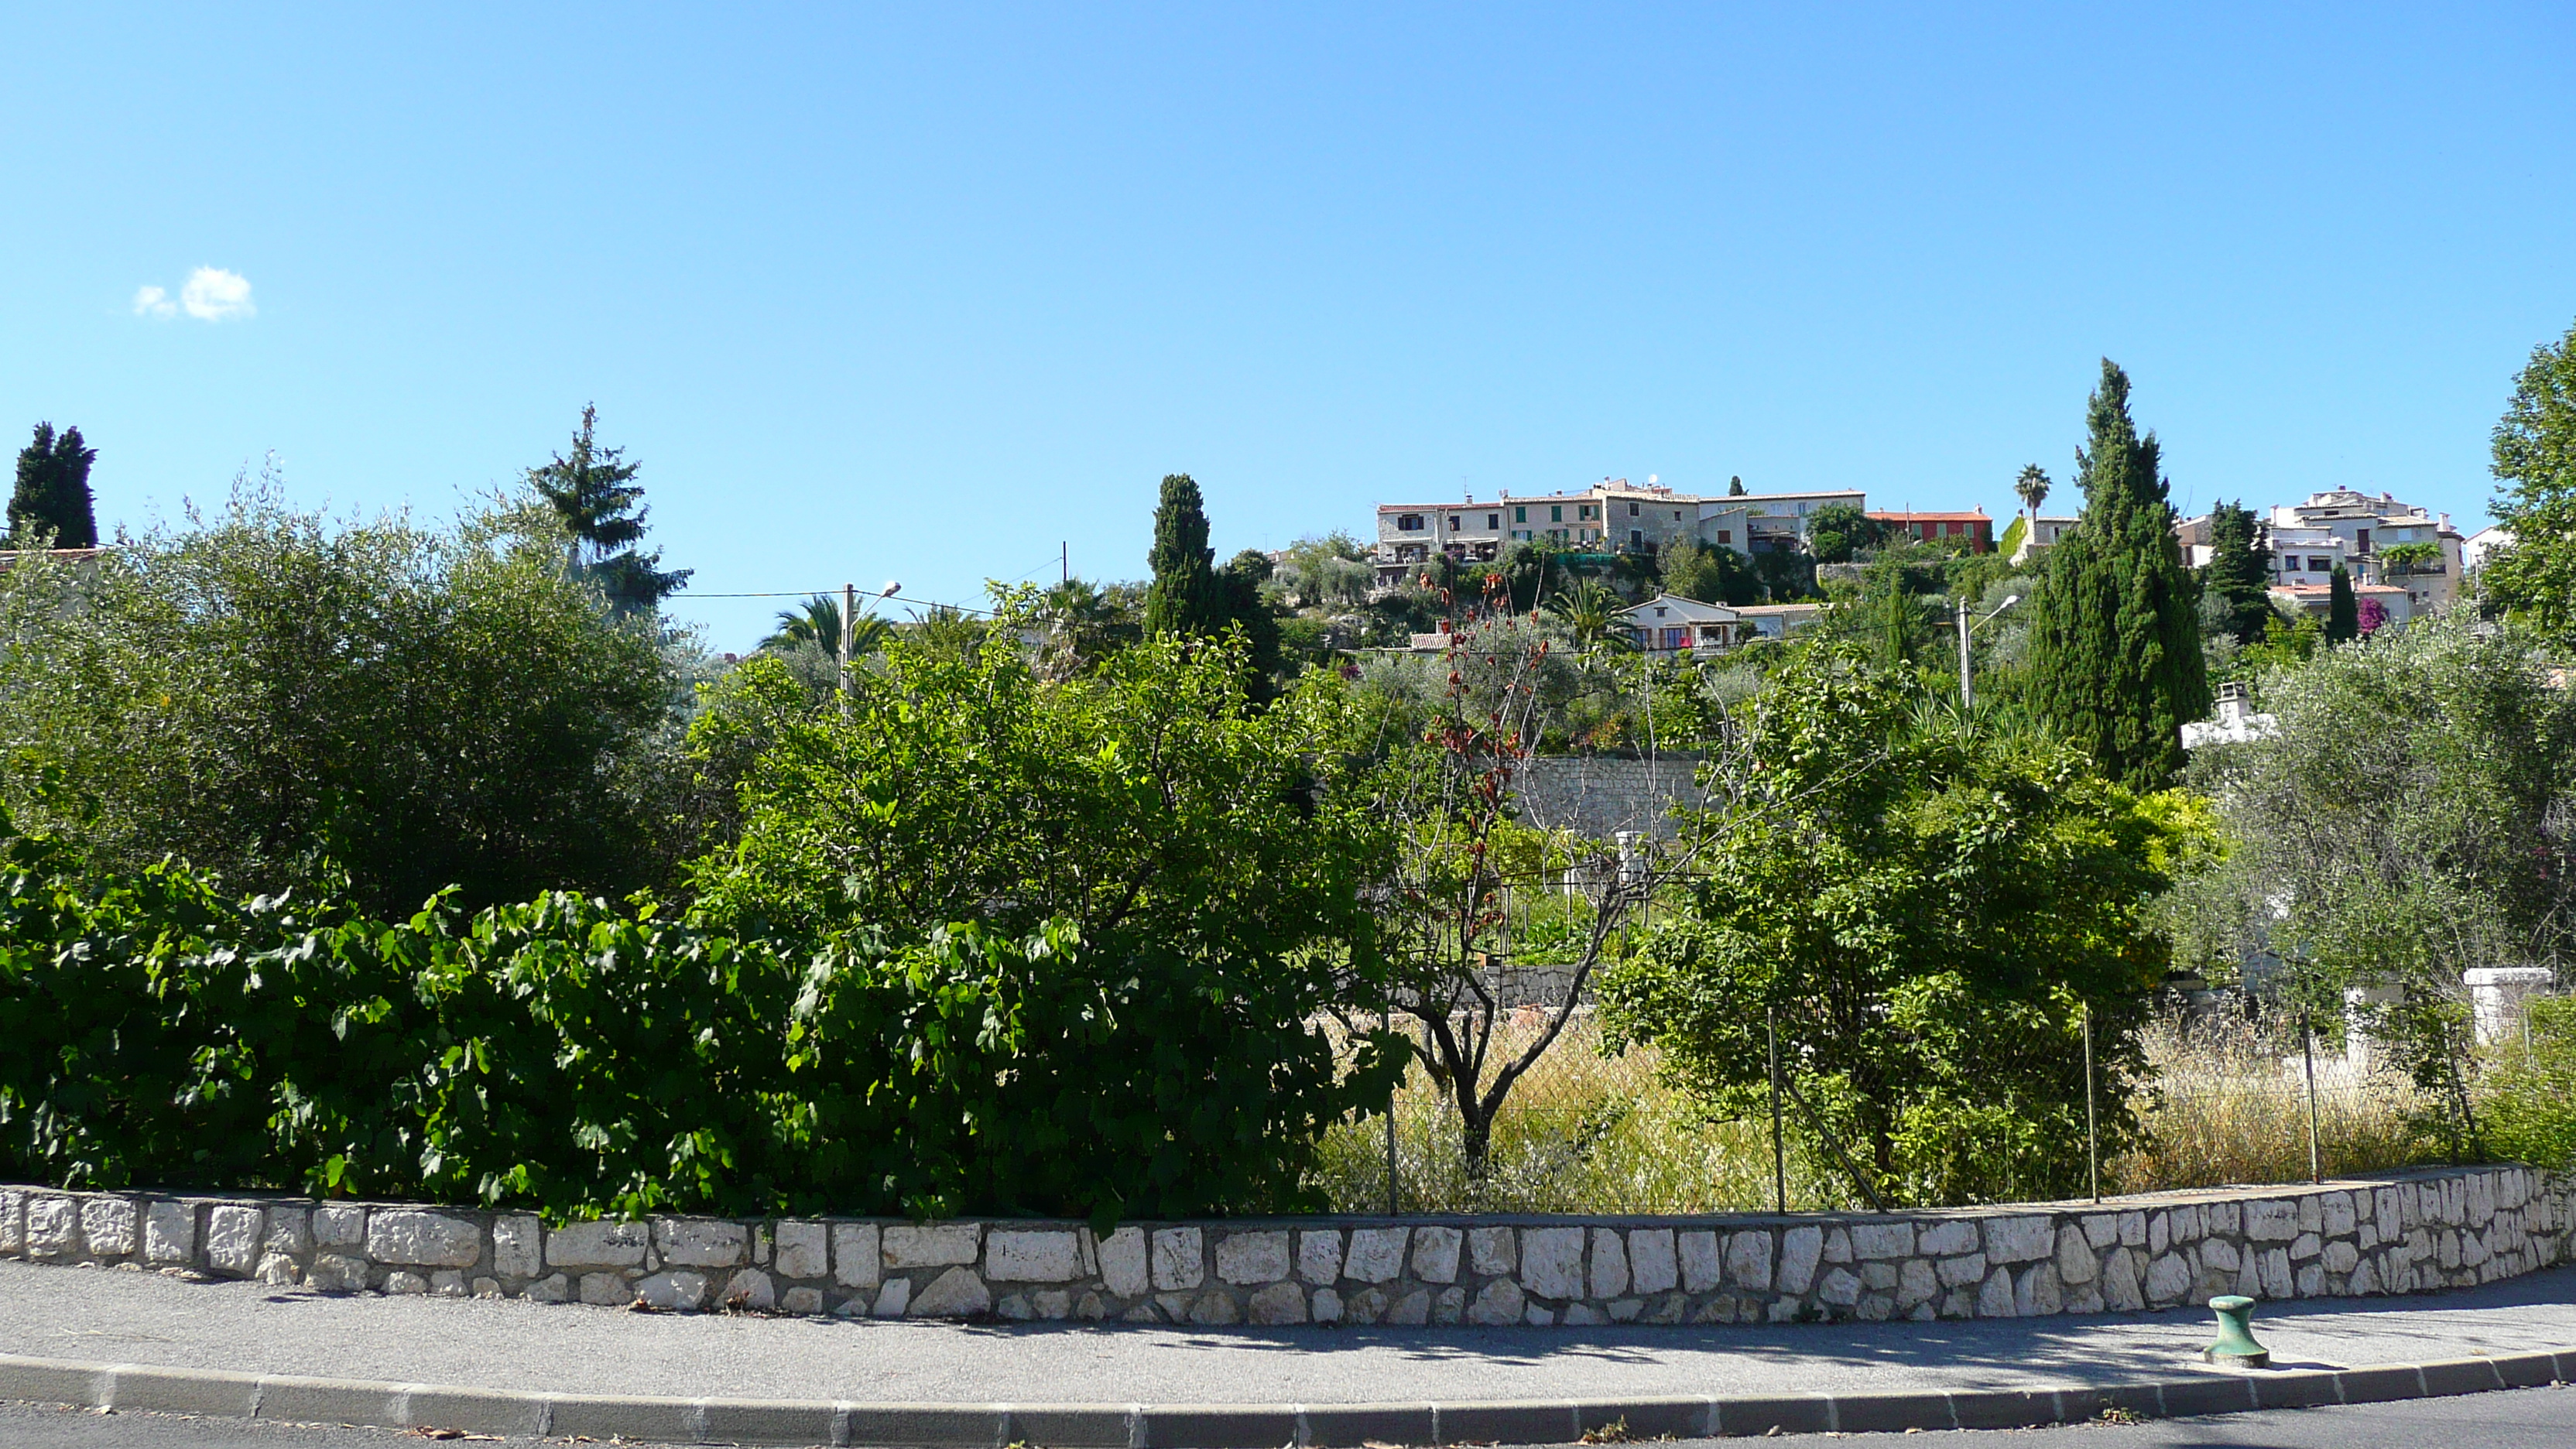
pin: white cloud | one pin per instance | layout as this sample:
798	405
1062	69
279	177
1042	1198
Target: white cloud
215	295
153	302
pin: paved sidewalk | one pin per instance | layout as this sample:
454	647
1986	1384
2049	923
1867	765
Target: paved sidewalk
106	1316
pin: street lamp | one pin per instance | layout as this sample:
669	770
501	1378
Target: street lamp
1967	689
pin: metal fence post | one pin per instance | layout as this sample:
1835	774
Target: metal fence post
1779	1153
2092	1128
2308	1053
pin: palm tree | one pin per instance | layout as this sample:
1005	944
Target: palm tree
819	622
2032	485
1589	614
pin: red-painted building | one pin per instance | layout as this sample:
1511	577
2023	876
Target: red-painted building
1975	527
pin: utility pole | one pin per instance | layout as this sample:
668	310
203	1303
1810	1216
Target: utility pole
1967	690
849	639
1064	562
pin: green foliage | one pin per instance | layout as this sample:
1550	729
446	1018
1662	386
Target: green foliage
2408	822
2014	532
2534	581
2239	573
1838	530
1186	596
594	492
2529	1093
1332	570
2343	610
571	1056
1148	804
2115	660
281	699
1926	912
52	496
1715	575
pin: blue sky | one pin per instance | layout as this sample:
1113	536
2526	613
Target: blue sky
880	293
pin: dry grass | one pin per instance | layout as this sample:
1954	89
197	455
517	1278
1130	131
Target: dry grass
1586	1132
2229	1104
1583	1132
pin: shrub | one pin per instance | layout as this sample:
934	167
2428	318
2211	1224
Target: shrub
572	1056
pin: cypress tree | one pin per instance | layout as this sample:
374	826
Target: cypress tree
2239	571
1186	596
2115	663
53	491
2343	608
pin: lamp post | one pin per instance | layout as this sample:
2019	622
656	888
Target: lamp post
1967	686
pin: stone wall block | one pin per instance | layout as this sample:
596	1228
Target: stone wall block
1948	1238
1180	1261
170	1232
2159	1233
339	1225
1499	1305
13	1223
1703	1267
1962	1271
702	1242
2037	1292
749	1289
1882	1240
858	1255
1279	1303
1377	1254
2133	1229
2271	1220
1916	1284
1493	1251
1126	1263
2168	1278
679	1289
599	1244
2075	1261
108	1225
1319	1255
2019	1239
1652	1265
801	1250
1552	1262
1249	1258
1800	1248
1435	1253
53	1227
2336	1211
233	1234
1041	1255
290	1230
2305	1246
932	1245
2277	1280
518	1246
1748	1260
1609	1263
2311	1212
957	1293
1840	1288
424	1239
1995	1299
2221	1254
1838	1247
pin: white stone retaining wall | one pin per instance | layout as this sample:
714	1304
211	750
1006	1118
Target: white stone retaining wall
2400	1234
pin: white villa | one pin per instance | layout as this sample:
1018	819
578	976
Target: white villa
1669	624
1612	516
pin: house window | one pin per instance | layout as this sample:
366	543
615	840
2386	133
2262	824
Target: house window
1408	523
1677	513
2321	565
1632	509
1520	513
1453	523
1588	510
1493	521
1636	538
1726	535
1556	513
1676	638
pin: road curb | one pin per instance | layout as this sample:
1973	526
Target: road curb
1231	1426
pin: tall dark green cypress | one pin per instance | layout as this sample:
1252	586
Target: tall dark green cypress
2343	608
53	490
1186	596
2239	571
2115	636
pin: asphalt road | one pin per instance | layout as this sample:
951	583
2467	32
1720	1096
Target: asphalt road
2525	1419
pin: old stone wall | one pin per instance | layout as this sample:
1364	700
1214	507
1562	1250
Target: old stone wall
1598	796
2400	1234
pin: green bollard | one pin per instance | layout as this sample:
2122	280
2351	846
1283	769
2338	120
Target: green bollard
2236	1347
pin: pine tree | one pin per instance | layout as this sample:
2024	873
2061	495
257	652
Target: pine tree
2239	571
2115	662
53	494
2343	608
1186	596
595	493
1735	486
